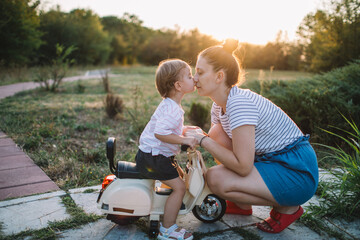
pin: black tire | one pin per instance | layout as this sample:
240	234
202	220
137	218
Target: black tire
121	220
211	209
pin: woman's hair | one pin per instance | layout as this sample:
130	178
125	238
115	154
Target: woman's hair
167	74
223	57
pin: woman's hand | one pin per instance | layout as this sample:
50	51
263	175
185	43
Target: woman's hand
196	133
190	141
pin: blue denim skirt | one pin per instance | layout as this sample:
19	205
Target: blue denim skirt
291	174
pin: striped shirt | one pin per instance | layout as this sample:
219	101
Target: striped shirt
167	119
274	129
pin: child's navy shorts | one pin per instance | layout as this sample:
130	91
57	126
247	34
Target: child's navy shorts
156	167
291	174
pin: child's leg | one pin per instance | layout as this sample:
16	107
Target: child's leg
172	207
173	203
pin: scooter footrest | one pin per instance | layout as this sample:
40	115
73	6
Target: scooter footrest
127	170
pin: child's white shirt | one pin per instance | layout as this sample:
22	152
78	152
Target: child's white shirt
167	119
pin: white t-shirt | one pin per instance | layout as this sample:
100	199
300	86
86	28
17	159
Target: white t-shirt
274	129
167	119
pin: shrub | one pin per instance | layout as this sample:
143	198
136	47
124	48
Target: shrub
113	105
315	103
198	114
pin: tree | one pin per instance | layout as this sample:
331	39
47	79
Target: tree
80	28
19	33
331	37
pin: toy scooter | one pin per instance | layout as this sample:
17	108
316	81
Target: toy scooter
126	195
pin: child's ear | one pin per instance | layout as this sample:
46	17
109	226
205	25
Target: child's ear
177	86
220	76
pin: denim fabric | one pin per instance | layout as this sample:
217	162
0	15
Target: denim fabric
291	174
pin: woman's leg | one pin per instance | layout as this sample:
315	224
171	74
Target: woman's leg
249	190
218	134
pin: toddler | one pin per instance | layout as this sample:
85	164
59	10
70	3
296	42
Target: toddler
159	142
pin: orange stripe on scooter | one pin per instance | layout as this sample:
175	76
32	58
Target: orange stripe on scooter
123	210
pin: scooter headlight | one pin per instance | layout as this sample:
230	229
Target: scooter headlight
107	180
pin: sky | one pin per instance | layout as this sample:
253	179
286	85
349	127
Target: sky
252	21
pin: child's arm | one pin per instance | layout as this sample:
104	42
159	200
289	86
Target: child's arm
176	139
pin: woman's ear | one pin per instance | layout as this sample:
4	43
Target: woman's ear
220	76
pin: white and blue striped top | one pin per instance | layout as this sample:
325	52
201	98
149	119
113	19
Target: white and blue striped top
274	129
167	119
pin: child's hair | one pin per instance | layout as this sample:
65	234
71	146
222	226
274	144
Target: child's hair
223	57
167	74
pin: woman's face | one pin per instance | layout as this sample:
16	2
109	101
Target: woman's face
204	77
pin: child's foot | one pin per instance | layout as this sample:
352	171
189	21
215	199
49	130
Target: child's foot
232	208
174	232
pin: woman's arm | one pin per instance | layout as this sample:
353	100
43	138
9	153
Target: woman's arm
241	159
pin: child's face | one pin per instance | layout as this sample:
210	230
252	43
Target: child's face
186	80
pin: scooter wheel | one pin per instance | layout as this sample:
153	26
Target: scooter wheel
154	229
211	209
121	220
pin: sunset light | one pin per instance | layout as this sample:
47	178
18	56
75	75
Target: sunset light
255	22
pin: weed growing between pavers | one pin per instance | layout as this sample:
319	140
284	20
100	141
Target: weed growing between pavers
78	218
318	225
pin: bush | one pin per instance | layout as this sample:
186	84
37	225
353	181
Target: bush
315	103
198	114
113	105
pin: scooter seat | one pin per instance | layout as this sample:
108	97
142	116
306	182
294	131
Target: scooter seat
127	170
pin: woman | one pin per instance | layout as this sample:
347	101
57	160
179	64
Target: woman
265	158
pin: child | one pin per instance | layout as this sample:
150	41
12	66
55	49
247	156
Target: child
159	142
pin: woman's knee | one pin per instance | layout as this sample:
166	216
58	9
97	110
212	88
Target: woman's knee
212	179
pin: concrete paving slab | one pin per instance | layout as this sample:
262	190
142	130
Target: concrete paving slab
191	223
94	231
87	201
128	232
2	134
31	213
17	161
296	231
229	235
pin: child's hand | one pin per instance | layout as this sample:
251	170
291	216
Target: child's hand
190	141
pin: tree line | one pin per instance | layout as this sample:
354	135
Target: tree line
28	36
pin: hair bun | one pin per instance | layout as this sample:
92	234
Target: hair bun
230	45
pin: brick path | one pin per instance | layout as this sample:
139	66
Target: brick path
19	175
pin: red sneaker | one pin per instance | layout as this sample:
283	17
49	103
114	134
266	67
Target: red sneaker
232	208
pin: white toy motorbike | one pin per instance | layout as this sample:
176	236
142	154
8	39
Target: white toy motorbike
126	196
